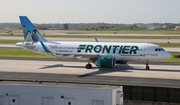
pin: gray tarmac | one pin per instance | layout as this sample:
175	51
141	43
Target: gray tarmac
61	71
8	46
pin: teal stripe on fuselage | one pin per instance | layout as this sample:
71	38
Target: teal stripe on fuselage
44	47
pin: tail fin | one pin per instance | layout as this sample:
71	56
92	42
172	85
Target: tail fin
31	34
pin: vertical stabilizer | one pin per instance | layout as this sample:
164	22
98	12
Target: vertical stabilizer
31	34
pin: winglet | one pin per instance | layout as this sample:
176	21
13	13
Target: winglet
96	39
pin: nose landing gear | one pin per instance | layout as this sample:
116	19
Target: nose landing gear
147	65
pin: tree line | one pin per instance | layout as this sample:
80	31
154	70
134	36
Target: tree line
97	26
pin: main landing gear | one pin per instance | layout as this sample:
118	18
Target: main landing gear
147	65
88	66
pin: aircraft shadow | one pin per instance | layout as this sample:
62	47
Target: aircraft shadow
59	65
117	68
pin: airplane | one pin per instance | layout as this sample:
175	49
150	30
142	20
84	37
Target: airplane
102	54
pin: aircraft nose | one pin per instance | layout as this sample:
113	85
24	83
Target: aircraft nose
168	55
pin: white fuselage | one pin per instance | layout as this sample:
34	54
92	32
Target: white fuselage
120	51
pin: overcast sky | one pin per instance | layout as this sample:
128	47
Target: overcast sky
91	11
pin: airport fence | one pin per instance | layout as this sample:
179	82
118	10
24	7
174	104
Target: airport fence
152	94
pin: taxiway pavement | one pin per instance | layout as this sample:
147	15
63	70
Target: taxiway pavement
67	71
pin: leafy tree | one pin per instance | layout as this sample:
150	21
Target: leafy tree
66	26
170	27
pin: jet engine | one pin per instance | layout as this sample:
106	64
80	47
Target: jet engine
106	62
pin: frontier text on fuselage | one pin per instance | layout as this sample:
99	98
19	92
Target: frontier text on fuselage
120	49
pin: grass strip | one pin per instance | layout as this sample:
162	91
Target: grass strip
168	44
20	53
172	59
115	37
10	41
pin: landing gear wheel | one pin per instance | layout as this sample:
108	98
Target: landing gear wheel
147	67
88	66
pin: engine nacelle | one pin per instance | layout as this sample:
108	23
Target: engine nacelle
121	62
106	62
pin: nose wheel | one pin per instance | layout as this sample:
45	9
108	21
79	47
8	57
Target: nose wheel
88	66
147	65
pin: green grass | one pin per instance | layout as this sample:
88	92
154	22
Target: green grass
137	32
172	59
9	34
20	53
10	41
114	37
168	44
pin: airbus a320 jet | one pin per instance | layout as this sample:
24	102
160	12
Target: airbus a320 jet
102	54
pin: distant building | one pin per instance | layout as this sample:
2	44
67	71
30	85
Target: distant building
26	93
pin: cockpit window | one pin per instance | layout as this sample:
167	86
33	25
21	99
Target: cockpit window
159	49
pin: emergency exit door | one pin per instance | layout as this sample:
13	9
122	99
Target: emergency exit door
13	100
146	49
